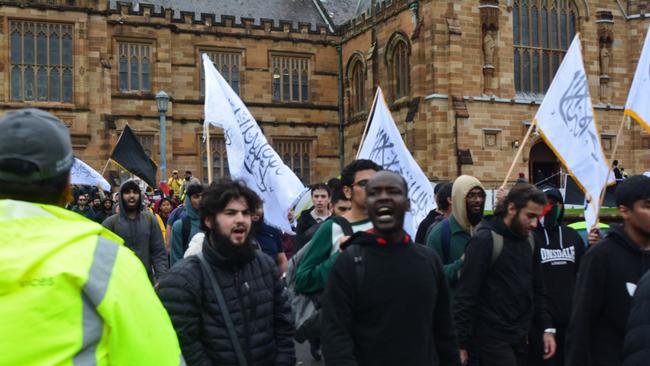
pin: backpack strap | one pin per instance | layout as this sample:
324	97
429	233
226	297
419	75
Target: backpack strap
497	245
185	232
356	251
344	224
225	312
445	240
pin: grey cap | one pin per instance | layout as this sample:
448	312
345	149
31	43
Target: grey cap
34	145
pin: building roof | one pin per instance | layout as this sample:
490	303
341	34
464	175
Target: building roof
304	11
340	11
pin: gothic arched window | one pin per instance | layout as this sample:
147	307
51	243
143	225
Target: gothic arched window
357	77
399	69
542	33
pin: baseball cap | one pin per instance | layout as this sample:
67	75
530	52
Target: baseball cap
34	146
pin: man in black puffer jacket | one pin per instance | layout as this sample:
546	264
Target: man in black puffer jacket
636	347
249	281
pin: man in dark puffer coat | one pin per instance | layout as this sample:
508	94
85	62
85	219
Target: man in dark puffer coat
248	279
636	346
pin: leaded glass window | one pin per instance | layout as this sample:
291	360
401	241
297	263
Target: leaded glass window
41	63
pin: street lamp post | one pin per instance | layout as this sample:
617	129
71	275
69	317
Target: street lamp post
162	100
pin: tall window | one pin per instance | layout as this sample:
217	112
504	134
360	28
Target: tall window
399	68
228	64
219	159
148	142
543	30
290	78
134	66
357	82
41	61
296	155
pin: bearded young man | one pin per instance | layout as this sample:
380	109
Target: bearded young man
252	292
501	289
387	300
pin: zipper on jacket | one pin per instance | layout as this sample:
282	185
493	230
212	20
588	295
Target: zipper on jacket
247	338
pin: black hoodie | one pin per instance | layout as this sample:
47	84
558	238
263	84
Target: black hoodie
606	281
559	249
399	315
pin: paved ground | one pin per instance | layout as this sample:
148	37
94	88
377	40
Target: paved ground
303	357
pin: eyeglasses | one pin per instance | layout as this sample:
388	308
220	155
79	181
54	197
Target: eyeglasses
362	183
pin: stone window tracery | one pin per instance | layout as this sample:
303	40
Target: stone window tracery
290	78
134	67
296	154
542	33
219	158
229	66
41	61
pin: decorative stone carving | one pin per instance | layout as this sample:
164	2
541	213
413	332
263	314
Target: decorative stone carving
605	26
489	10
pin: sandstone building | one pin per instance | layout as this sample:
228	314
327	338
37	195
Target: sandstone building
462	77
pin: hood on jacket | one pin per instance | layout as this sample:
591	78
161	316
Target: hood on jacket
34	233
191	212
460	189
129	184
617	233
553	192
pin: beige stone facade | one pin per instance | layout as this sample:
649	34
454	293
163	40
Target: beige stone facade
449	105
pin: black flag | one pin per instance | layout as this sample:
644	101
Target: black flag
130	155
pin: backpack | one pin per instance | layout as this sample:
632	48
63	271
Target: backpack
305	307
185	232
497	243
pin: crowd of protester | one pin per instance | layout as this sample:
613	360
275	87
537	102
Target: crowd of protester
194	275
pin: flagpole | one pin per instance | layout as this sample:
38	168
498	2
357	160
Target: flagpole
105	166
609	171
365	129
208	154
521	149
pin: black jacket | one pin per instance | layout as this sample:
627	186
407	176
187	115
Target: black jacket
399	315
602	300
499	300
257	302
423	229
559	250
636	347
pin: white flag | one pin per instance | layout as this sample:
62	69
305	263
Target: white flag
638	100
82	173
250	157
566	122
383	144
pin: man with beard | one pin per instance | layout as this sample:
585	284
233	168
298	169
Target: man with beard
106	210
229	280
449	238
387	301
607	281
139	229
83	207
501	290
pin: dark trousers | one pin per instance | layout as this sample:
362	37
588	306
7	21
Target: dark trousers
536	348
496	352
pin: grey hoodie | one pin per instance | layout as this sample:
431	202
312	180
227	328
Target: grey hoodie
142	235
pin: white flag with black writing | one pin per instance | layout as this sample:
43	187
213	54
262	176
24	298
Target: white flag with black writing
638	100
383	144
250	157
82	173
566	122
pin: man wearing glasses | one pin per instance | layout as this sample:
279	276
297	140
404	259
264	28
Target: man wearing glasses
311	276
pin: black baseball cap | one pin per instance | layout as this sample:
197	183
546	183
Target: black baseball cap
34	146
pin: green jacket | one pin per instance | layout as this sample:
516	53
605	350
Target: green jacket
314	268
73	294
457	244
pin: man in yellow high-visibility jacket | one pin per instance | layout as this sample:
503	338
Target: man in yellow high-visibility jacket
70	292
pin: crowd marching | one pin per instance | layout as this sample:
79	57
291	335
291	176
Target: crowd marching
196	276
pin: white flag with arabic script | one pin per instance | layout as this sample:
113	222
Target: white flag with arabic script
566	122
82	173
638	100
383	144
250	157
